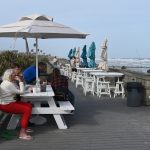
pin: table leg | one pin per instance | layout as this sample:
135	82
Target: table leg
60	121
38	119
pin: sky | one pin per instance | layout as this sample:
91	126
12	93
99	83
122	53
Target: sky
125	23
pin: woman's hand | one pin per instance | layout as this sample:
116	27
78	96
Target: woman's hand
18	78
30	89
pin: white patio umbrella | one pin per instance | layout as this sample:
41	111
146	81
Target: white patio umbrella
103	57
38	27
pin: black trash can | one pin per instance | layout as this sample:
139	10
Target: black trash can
135	94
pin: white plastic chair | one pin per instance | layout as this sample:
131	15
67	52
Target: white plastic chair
103	87
73	77
79	80
89	85
119	89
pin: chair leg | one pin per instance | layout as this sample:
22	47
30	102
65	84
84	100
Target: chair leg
85	92
119	89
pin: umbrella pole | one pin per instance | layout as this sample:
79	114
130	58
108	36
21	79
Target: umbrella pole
36	60
27	46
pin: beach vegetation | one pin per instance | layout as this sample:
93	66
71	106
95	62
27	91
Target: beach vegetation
23	59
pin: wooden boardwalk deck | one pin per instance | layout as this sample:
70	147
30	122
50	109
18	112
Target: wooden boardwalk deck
98	124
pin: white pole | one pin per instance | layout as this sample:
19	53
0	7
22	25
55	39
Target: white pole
27	46
37	60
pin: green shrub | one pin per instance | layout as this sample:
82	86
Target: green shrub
24	60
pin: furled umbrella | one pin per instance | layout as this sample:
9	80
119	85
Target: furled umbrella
38	27
74	52
77	55
91	55
84	57
70	54
103	65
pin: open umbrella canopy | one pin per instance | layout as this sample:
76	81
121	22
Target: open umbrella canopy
91	55
84	57
39	26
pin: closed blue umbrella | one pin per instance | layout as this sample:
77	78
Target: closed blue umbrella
70	54
91	55
74	52
84	57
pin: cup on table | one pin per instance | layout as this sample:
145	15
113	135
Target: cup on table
43	87
48	87
38	89
30	89
34	90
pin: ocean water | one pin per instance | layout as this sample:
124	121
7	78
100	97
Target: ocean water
139	65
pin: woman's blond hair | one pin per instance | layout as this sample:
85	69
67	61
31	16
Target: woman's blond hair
7	74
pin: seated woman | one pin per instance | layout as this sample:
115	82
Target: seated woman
7	103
